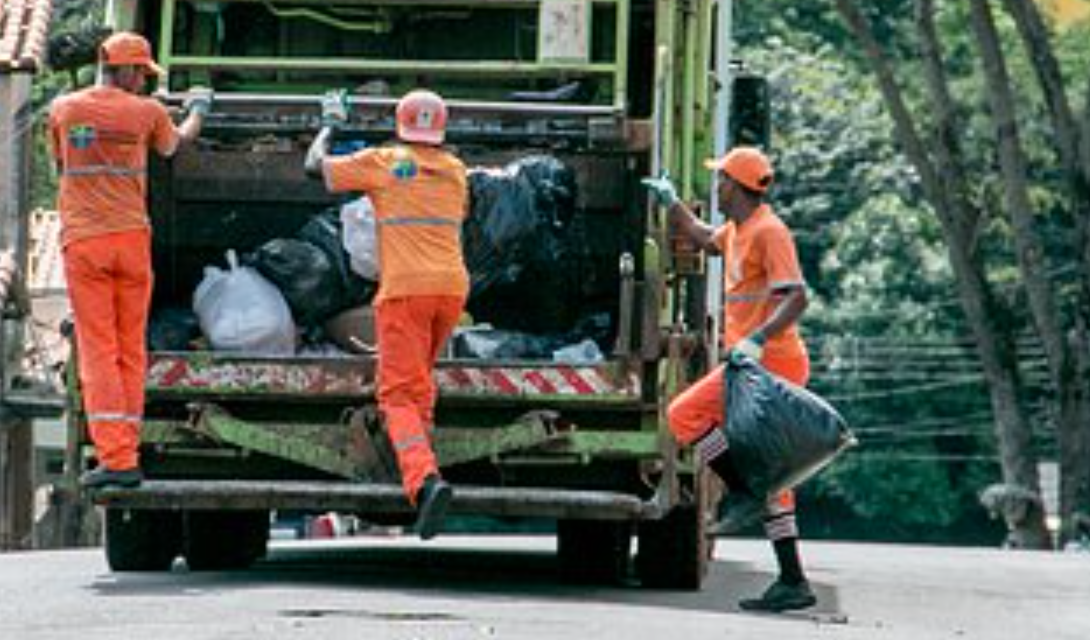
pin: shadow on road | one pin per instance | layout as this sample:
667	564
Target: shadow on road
423	571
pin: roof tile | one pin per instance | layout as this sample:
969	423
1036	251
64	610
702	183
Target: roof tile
24	26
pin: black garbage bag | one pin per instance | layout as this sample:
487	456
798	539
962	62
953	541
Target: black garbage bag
305	276
325	232
490	344
173	329
779	433
591	335
520	248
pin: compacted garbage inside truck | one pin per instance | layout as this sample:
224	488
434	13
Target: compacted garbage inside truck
609	89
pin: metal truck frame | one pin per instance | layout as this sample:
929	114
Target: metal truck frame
229	438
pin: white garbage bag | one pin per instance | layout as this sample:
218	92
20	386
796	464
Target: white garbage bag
358	237
239	310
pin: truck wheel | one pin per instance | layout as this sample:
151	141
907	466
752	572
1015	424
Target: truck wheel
142	540
225	540
593	551
674	553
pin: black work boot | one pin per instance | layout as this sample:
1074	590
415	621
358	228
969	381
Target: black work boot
782	596
432	501
100	477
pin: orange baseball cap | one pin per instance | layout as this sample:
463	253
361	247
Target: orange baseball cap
126	48
746	166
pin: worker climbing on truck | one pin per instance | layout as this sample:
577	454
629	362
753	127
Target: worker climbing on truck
99	138
764	297
419	194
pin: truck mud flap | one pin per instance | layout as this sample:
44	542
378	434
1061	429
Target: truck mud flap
360	498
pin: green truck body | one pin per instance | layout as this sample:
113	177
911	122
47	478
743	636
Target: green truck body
230	438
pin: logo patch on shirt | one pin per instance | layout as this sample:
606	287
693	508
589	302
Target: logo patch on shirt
404	169
82	136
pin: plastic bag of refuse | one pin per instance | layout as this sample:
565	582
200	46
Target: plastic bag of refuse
172	329
305	276
582	352
519	245
327	232
779	433
239	310
358	222
490	344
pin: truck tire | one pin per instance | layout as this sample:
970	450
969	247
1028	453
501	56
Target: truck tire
593	551
225	540
675	552
142	540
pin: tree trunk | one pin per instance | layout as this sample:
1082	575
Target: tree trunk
946	188
1071	142
1043	296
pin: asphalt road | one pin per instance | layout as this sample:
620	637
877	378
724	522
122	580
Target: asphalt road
480	587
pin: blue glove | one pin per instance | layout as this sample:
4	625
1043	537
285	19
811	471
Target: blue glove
662	189
199	100
334	108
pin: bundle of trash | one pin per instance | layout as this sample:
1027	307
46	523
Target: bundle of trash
521	248
779	433
286	291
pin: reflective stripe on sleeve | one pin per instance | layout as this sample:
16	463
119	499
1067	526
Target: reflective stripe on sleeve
103	169
763	294
420	222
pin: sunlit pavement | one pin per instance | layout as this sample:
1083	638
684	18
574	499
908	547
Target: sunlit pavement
501	587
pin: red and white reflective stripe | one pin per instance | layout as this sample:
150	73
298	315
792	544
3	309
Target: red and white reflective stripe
526	381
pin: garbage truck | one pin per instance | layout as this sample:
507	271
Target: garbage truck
613	90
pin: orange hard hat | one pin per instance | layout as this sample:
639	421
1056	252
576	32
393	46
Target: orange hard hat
422	117
747	166
126	48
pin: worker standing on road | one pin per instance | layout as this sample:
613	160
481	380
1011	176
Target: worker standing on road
764	297
419	193
100	137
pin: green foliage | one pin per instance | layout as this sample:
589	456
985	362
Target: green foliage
914	492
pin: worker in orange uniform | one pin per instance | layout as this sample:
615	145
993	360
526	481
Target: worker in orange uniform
764	297
419	193
100	137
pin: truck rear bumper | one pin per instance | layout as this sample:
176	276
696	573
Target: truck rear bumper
384	499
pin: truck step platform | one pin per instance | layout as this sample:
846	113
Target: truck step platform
377	498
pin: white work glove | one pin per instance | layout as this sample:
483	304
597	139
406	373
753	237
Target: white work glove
334	108
751	346
662	189
199	100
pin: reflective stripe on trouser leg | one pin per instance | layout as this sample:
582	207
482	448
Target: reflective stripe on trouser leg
415	457
712	445
780	522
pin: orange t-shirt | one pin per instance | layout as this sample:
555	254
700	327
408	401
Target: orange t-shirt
420	199
100	137
759	259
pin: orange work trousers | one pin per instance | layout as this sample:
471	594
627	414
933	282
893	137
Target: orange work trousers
699	409
411	331
109	286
